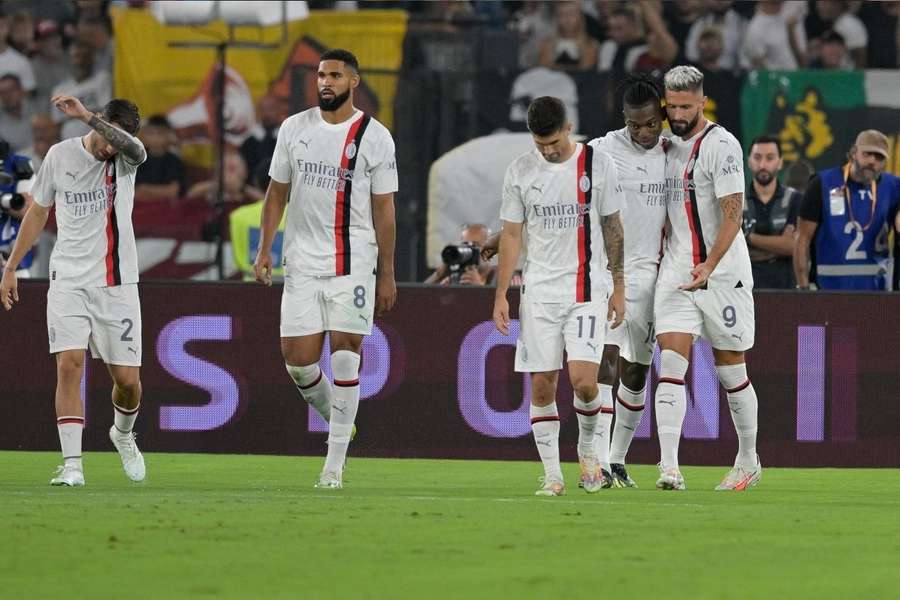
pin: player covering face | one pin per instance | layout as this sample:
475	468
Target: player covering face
565	197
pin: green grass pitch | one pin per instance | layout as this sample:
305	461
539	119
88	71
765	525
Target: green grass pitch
214	526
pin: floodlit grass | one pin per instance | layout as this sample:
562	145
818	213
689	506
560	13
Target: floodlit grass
253	527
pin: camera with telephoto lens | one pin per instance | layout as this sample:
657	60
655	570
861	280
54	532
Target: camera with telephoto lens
459	257
14	170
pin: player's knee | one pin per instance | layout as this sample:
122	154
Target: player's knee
634	375
585	389
304	376
129	385
345	364
672	365
732	377
69	365
543	391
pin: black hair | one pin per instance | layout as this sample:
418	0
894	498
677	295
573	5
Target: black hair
767	139
123	113
158	121
833	36
12	77
340	54
546	116
640	89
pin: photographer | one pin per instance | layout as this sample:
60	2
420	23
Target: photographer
462	261
15	180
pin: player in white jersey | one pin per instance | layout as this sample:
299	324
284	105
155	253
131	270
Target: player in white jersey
335	172
639	152
705	282
93	298
561	203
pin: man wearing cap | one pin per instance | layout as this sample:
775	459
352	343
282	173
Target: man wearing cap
847	213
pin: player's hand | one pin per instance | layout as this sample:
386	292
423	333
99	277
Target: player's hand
472	276
490	248
701	274
616	312
262	267
501	314
385	294
71	106
9	289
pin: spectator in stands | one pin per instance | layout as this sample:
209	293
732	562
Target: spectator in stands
798	174
21	33
570	47
731	26
260	144
162	175
534	23
11	60
475	234
596	18
44	133
680	15
847	213
15	113
97	32
776	38
92	87
832	52
831	16
881	21
770	217
710	46
50	62
237	190
629	42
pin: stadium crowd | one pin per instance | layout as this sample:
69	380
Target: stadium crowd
50	47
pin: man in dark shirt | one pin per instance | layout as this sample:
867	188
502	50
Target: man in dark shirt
770	217
162	176
260	145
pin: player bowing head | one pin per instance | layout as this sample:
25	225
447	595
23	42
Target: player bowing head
550	129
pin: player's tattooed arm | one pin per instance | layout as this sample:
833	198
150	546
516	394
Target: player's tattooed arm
614	239
733	207
119	139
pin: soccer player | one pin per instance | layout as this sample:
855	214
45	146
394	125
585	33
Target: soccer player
638	151
557	200
334	169
93	297
704	288
848	212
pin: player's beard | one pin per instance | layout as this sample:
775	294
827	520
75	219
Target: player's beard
681	128
334	103
763	177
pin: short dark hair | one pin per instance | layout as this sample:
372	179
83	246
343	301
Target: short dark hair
123	113
546	115
340	54
12	77
640	89
767	139
158	121
832	36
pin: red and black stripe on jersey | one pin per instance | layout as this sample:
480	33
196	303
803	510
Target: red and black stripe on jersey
113	274
584	184
690	202
343	197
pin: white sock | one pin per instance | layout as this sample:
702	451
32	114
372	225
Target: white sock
604	422
314	387
545	426
344	404
70	430
588	413
124	418
629	410
743	404
671	405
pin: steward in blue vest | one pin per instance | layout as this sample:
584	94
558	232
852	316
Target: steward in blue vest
847	213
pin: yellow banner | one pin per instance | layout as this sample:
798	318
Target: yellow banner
178	82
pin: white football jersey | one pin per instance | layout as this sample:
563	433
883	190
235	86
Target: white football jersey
642	177
561	206
94	199
700	171
333	171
